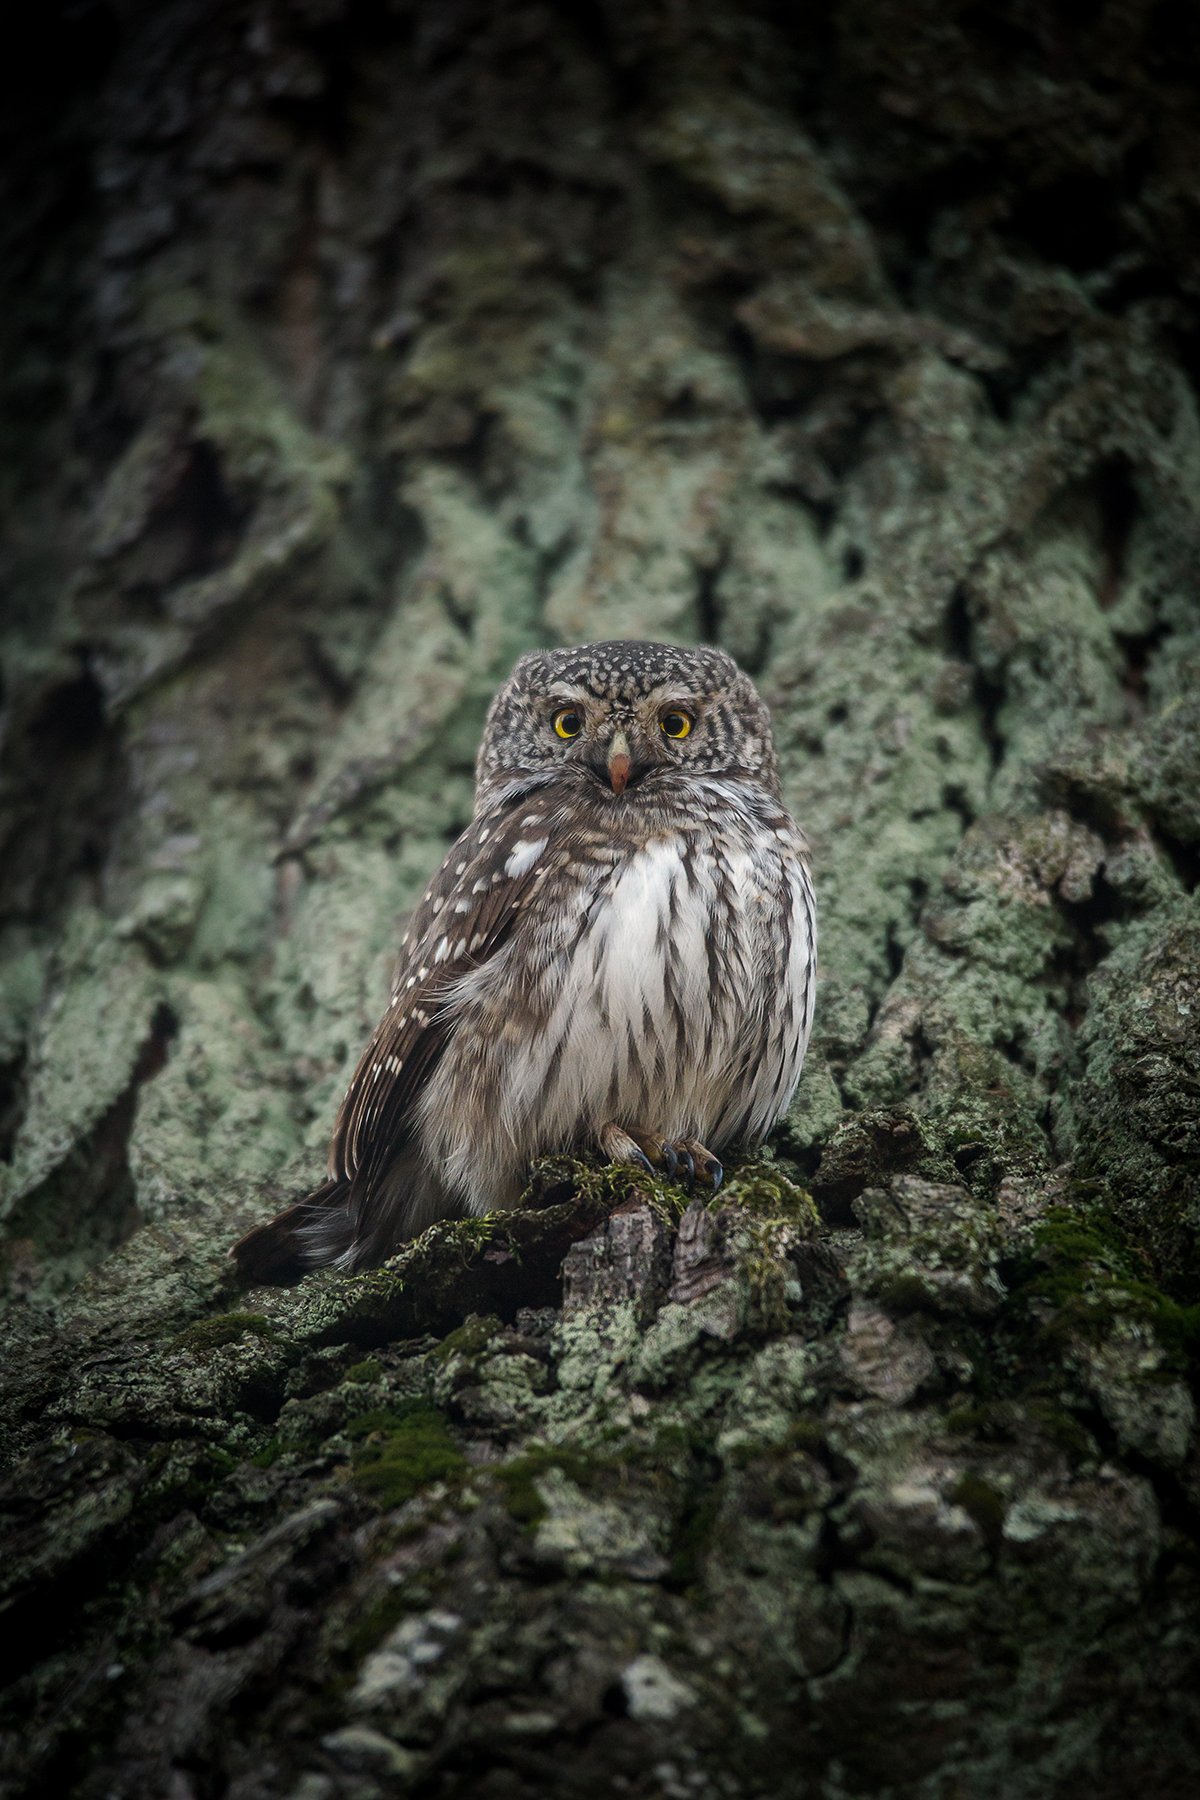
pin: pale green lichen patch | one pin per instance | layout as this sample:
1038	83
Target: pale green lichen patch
89	1048
928	1246
373	358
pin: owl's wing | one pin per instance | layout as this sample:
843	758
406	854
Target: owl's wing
465	917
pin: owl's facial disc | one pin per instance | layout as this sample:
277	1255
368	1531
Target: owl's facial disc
686	714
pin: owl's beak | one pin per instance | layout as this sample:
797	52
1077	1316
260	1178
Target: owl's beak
619	762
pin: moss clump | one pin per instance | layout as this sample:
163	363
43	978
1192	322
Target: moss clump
399	1452
675	1437
907	1292
1073	1244
983	1503
210	1334
470	1338
1058	1426
762	1188
806	1434
517	1479
184	1476
598	1187
992	1421
1178	1330
366	1424
1084	1272
360	1374
373	1624
1013	1422
694	1532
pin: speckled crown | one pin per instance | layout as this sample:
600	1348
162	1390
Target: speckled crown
627	668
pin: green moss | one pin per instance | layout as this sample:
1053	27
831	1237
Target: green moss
693	1534
1061	1428
470	1338
1083	1270
600	1186
905	1293
372	1625
984	1503
521	1497
183	1476
770	1278
361	1373
1010	1422
763	1189
989	1420
807	1433
1073	1238
676	1444
362	1425
517	1479
225	1328
399	1452
1178	1329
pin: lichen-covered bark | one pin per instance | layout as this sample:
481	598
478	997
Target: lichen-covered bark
350	349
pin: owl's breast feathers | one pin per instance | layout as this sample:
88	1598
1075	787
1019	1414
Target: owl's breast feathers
577	958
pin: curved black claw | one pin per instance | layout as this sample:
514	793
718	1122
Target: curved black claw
714	1174
670	1160
640	1160
688	1167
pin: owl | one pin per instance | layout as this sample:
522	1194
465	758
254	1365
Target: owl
617	956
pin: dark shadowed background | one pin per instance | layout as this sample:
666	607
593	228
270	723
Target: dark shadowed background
347	350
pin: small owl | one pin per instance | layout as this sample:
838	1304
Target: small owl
618	954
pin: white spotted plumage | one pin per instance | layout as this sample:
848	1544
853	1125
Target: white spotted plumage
602	1041
523	855
618	953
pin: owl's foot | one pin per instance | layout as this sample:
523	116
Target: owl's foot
686	1158
706	1168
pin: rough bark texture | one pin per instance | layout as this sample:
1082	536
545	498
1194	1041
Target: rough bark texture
352	348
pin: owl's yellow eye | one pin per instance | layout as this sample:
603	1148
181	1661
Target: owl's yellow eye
676	724
568	723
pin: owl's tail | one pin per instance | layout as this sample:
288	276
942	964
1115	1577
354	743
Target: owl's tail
352	1221
314	1231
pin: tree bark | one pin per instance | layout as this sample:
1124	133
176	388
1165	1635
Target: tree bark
350	349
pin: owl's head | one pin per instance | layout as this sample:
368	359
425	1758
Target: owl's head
628	715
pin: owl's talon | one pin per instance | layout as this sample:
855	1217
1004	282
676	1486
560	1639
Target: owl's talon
684	1160
622	1146
707	1170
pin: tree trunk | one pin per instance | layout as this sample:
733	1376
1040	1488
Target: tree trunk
350	349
